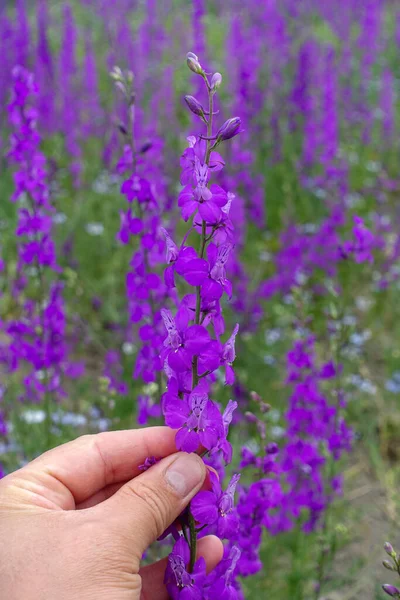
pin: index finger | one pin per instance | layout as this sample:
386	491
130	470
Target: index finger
92	462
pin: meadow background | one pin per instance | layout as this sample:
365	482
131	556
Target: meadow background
316	84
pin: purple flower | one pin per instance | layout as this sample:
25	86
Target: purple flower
208	201
181	584
229	355
138	188
217	507
147	410
193	269
363	244
130	225
149	462
217	283
198	419
197	149
224	445
183	342
222	580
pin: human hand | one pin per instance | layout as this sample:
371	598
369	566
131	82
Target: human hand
75	522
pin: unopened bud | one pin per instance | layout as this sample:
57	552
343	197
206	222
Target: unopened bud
272	448
389	549
145	148
194	105
261	429
255	397
229	129
193	63
391	590
120	86
264	407
388	565
250	417
216	81
116	74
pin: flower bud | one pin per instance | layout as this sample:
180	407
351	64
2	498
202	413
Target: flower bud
193	63
194	105
255	397
389	549
216	81
388	565
272	448
229	129
251	417
391	590
119	85
145	148
116	74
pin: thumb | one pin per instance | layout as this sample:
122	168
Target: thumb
143	508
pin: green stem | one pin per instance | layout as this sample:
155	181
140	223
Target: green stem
193	542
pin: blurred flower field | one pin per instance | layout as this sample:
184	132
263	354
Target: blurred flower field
200	227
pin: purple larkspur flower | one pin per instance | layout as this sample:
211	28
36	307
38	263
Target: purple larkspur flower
229	355
181	584
363	244
138	188
209	201
147	409
182	341
217	507
130	225
149	462
197	149
224	446
222	584
197	418
217	283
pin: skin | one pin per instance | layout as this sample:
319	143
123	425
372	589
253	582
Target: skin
75	522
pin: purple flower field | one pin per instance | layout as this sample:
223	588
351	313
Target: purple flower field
200	227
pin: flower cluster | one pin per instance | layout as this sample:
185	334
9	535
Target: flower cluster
315	429
393	565
141	223
193	351
36	333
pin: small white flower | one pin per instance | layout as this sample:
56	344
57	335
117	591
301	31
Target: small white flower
33	416
128	348
95	228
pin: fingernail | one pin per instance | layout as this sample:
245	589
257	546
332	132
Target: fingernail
185	474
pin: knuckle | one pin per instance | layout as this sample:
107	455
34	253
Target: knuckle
95	443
